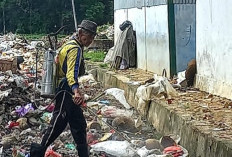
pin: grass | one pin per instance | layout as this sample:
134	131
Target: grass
94	56
103	65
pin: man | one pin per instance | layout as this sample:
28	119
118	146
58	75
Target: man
67	108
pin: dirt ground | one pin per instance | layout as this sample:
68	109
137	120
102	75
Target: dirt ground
211	111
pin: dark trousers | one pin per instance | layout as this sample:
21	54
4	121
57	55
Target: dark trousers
66	111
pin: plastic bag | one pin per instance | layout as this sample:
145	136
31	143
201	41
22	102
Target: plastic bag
119	95
112	148
51	153
113	112
160	87
23	110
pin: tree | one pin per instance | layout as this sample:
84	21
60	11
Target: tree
46	16
2	6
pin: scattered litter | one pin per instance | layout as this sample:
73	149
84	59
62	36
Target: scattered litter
23	110
113	112
70	146
112	148
52	153
119	95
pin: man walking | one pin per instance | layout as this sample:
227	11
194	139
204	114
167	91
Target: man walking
68	101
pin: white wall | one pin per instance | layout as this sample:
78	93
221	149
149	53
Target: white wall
151	26
119	17
137	17
157	39
214	46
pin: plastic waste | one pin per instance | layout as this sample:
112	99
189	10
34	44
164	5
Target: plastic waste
119	95
112	148
23	110
106	102
106	137
86	79
12	124
109	56
159	87
92	136
4	93
113	112
70	146
22	123
52	153
50	107
175	151
46	117
143	152
18	153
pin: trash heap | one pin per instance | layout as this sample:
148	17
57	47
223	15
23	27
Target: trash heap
105	32
12	47
114	129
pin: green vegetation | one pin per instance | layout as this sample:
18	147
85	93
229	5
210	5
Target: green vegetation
38	36
47	16
32	36
103	65
94	56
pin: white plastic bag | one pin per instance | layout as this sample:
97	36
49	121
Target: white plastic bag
109	56
119	95
4	93
113	112
115	148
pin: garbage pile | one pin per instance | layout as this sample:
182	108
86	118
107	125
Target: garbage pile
106	32
13	47
113	127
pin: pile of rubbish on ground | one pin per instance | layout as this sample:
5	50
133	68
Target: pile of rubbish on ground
113	127
105	32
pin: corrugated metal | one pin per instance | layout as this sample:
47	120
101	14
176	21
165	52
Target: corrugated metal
184	1
150	3
124	4
127	4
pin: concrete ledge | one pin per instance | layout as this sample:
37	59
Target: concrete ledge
170	119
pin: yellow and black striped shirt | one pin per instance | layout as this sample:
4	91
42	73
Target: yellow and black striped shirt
70	56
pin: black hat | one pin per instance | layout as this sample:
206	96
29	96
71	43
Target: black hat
89	26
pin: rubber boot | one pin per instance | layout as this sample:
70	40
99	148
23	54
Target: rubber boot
37	150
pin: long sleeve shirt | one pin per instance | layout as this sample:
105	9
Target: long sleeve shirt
70	56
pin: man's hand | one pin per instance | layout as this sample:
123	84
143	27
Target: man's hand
78	97
56	59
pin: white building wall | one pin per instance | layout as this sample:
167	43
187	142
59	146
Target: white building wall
151	26
136	16
157	39
119	17
214	47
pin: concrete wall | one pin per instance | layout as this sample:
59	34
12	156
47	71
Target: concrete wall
157	39
214	47
119	17
136	15
150	21
151	26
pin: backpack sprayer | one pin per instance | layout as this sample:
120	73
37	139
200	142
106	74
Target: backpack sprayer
49	78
